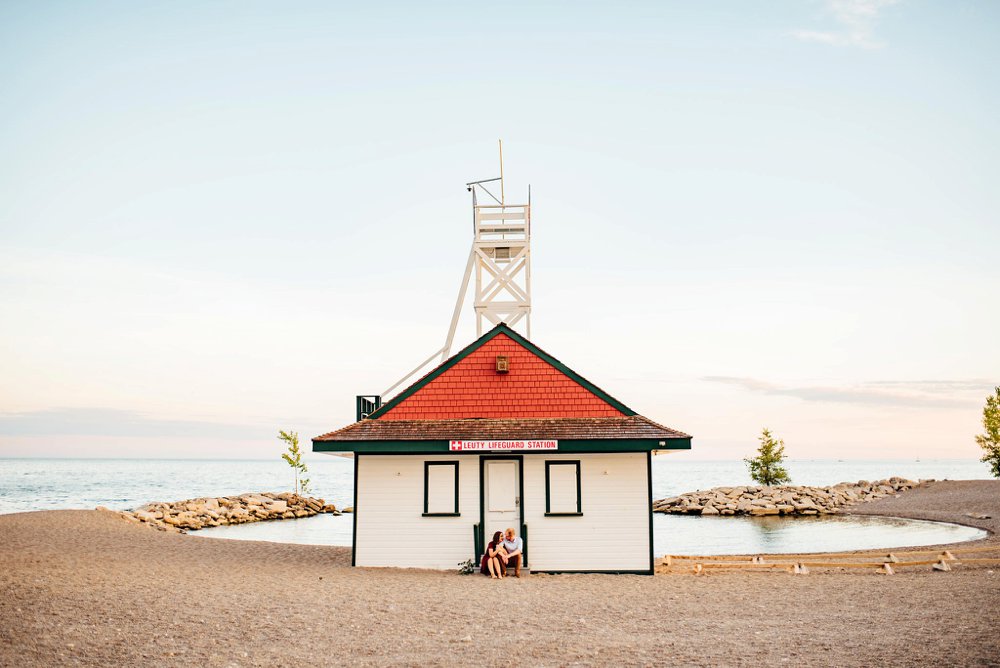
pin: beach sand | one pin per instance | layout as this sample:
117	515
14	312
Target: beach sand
87	588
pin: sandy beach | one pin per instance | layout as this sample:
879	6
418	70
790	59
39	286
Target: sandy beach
86	588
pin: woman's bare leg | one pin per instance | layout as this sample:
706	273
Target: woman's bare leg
490	565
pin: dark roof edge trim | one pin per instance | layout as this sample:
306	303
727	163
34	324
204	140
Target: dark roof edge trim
502	328
565	446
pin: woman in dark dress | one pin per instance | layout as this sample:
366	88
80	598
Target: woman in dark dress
494	562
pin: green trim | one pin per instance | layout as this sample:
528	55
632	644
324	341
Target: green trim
476	547
649	489
524	537
354	513
598	572
427	468
567	446
502	328
549	463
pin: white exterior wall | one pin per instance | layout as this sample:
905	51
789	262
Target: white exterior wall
613	532
391	530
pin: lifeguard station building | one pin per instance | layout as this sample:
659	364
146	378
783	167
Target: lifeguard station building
502	434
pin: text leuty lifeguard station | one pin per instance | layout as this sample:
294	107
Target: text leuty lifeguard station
502	434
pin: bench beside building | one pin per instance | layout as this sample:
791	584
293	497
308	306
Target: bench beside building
502	435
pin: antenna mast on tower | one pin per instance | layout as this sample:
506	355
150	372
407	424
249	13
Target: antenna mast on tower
500	258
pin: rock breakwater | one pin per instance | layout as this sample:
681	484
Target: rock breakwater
781	500
193	514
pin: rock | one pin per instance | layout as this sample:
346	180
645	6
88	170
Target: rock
709	510
348	509
786	500
759	510
278	506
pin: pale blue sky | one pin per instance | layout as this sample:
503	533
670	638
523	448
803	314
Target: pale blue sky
218	219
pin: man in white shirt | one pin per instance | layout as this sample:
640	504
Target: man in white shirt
514	547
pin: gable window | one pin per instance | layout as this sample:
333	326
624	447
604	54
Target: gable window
562	487
441	489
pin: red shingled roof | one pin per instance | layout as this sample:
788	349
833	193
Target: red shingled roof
538	398
472	388
612	428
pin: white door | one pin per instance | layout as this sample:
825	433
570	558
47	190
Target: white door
501	497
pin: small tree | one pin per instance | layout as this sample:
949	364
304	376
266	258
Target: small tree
766	467
990	441
294	459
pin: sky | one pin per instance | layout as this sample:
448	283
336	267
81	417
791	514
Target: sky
222	219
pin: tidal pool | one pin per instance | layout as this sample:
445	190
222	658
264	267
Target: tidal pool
322	529
692	534
680	534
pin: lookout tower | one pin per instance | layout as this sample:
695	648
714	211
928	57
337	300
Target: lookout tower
500	258
501	255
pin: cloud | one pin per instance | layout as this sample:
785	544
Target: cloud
855	21
114	422
911	394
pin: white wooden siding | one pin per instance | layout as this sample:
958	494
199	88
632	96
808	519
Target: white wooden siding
391	528
612	533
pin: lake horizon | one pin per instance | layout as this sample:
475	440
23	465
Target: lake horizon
56	483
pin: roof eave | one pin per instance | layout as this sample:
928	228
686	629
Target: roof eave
429	447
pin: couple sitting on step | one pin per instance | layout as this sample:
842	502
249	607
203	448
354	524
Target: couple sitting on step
505	548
